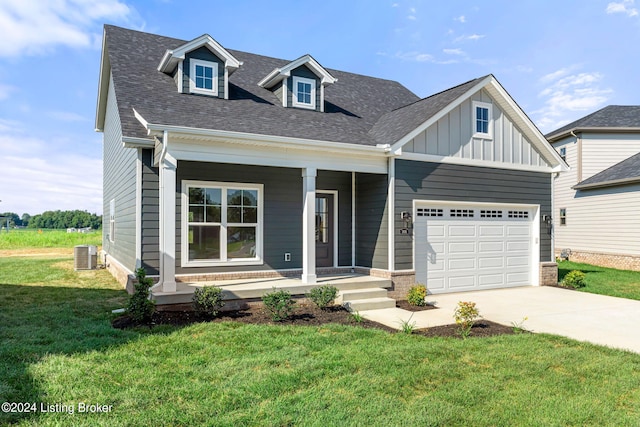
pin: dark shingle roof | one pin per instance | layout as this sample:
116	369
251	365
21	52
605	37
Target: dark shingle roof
625	172
352	105
395	124
612	116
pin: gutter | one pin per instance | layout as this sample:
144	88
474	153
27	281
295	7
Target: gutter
604	184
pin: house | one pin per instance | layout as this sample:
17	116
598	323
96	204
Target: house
221	164
597	202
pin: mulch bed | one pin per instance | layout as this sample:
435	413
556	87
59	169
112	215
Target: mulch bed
306	315
406	306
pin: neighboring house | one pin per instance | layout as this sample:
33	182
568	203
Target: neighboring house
597	203
222	164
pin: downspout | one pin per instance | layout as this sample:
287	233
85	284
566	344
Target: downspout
163	153
579	156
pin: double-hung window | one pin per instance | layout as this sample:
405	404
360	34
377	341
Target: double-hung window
304	92
203	77
482	120
222	223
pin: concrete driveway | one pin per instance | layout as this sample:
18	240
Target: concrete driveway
604	320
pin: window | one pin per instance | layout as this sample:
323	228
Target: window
563	153
482	119
112	220
222	223
461	213
430	212
304	92
563	216
203	77
490	214
518	214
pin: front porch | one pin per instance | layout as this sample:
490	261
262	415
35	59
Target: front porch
357	291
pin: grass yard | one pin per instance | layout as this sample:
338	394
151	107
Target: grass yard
605	281
30	238
57	347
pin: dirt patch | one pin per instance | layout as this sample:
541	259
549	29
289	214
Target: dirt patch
406	306
49	252
304	315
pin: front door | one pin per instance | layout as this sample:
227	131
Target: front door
324	230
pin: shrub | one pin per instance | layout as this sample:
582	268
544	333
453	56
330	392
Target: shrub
140	307
323	296
208	300
575	279
417	295
279	304
407	326
466	314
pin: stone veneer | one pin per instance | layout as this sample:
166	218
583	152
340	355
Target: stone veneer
619	261
402	280
548	273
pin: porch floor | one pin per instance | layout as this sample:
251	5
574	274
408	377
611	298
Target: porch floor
256	288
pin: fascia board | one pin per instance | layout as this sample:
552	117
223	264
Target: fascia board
103	86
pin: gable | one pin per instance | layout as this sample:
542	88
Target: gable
453	136
203	54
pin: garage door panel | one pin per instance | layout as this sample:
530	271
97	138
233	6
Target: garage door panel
473	247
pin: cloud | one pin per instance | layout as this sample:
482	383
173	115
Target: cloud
66	116
461	19
414	56
35	27
568	93
626	7
454	51
472	37
5	91
36	178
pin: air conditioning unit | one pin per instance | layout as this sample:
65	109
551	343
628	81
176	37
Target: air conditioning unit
85	257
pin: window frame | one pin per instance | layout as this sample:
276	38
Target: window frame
474	123
193	88
563	216
563	153
223	224
294	90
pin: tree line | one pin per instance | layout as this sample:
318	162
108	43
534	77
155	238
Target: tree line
53	219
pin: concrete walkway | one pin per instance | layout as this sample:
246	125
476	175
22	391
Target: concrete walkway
604	320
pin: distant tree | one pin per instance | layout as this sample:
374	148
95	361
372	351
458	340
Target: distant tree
65	219
25	219
14	219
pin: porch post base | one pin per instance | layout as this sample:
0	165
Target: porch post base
309	278
169	287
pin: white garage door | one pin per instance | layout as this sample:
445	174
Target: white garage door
464	248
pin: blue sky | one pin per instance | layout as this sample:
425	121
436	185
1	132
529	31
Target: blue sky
560	60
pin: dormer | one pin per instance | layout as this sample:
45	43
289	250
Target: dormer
201	66
300	83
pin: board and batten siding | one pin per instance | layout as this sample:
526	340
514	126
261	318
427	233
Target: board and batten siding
447	182
452	136
302	71
282	212
119	184
371	221
150	238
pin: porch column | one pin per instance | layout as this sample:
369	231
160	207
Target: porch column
309	225
168	166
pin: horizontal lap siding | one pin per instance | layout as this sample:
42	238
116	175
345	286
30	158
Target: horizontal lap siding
119	183
150	215
436	181
282	220
340	181
371	221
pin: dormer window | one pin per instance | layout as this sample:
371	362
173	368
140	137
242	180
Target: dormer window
304	94
203	77
482	120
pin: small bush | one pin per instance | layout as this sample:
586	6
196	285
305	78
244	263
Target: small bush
407	326
357	317
208	300
466	314
417	295
140	307
323	296
575	279
279	304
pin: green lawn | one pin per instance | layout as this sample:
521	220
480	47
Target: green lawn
31	238
605	281
57	347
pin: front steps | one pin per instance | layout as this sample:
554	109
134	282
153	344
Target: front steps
357	292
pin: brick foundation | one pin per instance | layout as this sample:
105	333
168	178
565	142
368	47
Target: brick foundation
234	275
119	272
621	262
548	273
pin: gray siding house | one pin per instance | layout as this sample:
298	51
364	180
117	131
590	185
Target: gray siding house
598	200
221	164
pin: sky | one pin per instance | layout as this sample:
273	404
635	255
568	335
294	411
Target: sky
559	60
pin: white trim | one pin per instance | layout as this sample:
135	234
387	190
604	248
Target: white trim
170	57
322	98
138	221
223	261
192	76
294	91
226	83
133	142
472	162
534	265
353	219
391	197
334	193
285	93
474	120
167	241
308	225
103	86
282	73
181	77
